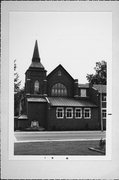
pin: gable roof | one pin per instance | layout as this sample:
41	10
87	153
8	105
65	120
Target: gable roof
58	68
101	88
63	101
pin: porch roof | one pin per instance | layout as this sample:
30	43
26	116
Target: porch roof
36	99
63	101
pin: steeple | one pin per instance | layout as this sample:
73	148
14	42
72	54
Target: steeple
36	58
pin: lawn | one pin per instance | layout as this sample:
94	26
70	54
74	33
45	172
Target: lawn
56	148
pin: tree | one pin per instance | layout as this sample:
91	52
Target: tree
18	93
17	82
100	76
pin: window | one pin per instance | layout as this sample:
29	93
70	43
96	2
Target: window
60	113
36	87
87	113
58	90
59	73
103	97
83	92
78	113
103	113
69	113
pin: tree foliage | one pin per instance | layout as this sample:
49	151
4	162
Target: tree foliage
100	76
17	82
18	92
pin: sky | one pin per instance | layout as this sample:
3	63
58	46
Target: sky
77	40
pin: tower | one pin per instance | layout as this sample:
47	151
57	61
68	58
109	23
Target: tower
35	82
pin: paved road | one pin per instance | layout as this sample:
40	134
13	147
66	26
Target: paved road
59	136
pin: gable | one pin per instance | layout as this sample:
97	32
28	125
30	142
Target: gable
59	71
60	76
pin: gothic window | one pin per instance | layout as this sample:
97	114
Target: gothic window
58	90
36	87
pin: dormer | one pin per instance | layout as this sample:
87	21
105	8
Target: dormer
83	90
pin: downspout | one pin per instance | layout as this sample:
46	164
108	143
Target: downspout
48	112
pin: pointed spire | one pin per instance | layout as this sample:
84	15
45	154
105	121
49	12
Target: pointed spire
36	57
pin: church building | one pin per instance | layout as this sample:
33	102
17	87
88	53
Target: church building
58	102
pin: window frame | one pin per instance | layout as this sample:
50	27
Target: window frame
81	113
82	89
89	113
71	113
104	109
104	100
57	113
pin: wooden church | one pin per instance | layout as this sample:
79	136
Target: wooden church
58	102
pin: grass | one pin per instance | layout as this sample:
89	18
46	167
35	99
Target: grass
56	148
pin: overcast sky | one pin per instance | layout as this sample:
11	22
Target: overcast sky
77	40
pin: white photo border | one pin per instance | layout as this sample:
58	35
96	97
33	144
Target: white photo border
7	94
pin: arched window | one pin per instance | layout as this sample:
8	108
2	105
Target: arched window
36	87
58	90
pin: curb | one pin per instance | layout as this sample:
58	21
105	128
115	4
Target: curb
97	150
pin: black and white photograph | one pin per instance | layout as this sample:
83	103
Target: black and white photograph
59	74
60	82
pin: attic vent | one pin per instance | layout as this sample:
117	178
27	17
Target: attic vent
59	73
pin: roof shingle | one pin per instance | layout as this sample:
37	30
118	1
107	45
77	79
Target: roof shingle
62	101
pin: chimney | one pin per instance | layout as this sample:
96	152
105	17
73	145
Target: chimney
76	95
